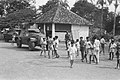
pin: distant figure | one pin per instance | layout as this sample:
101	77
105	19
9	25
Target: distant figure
88	50
68	45
112	47
82	48
13	38
102	41
77	45
43	47
67	38
97	46
50	47
55	46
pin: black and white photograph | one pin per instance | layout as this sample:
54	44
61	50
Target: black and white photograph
59	39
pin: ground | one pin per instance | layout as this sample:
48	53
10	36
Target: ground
22	64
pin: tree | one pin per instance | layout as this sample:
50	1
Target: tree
13	5
18	11
53	3
86	10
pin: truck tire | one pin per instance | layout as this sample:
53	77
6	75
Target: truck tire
19	44
31	45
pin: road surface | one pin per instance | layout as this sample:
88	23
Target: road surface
22	64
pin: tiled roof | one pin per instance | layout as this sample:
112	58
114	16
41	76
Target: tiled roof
62	15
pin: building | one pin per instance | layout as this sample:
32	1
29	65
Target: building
58	20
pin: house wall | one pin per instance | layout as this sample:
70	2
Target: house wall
79	31
60	30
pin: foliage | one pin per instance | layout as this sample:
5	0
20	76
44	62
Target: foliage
53	3
17	11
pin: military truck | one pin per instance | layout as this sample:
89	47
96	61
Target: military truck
30	37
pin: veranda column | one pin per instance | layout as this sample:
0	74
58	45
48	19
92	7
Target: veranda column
53	30
44	29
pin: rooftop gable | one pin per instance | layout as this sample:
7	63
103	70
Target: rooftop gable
62	15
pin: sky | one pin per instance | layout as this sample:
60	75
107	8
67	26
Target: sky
71	3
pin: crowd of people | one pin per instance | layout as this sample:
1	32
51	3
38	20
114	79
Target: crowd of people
89	50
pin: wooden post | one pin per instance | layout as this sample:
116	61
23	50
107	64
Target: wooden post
53	30
44	29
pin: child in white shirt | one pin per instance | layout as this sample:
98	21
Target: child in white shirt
73	51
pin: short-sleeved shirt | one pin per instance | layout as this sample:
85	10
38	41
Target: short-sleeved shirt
88	44
102	41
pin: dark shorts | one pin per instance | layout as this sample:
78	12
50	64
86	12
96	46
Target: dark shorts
102	45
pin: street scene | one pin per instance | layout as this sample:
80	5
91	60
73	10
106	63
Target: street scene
22	64
59	40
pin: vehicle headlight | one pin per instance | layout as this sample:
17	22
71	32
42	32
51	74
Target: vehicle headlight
33	39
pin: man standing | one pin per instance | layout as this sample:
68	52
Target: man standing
82	48
67	38
102	41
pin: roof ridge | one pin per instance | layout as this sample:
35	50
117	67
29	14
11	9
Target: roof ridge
58	8
79	16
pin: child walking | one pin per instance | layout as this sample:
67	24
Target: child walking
50	47
77	46
43	47
73	51
112	47
68	46
88	49
118	55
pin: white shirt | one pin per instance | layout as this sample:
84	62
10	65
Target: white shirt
77	45
112	45
88	44
97	44
102	40
72	50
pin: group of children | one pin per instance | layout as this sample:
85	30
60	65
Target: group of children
90	50
51	45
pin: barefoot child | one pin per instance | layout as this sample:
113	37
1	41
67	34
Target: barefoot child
72	51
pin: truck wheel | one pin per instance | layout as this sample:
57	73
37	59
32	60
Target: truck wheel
31	45
19	44
6	40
